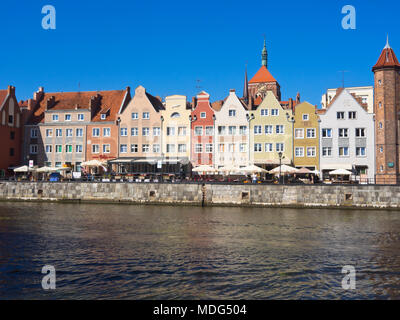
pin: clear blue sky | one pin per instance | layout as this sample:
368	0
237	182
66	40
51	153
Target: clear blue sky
167	45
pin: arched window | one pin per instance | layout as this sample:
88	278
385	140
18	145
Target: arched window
175	115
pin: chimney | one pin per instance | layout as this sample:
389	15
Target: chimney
298	97
11	90
159	98
194	102
38	95
50	102
128	89
232	91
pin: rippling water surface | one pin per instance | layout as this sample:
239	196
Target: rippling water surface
160	252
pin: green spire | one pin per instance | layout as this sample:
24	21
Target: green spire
264	56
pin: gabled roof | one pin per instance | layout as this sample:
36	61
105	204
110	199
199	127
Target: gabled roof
157	104
262	75
387	58
3	95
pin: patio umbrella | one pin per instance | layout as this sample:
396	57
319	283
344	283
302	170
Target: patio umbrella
253	169
340	172
284	169
304	171
93	163
46	169
230	169
23	169
204	169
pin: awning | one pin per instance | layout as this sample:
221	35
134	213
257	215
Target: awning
334	166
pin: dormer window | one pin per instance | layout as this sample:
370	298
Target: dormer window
103	116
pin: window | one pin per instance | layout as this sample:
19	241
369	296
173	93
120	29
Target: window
311	152
49	148
79	132
11	152
299	152
81	117
209	147
58	164
12	135
232	130
257	147
58	132
135	116
343	133
134	131
221	147
352	115
268	129
264	112
182	148
306	117
55	117
360	132
311	133
134	148
274	112
106	132
298	133
242	147
232	113
106	148
340	115
279	129
175	115
145	148
361	152
49	133
103	116
10	119
68	132
257	130
198	131
58	148
231	147
67	117
145	132
280	147
202	115
209	131
380	104
182	131
326	151
198	148
34	133
380	149
269	147
243	130
156	131
221	130
96	148
96	132
68	148
146	115
124	132
380	125
170	131
326	133
170	148
78	148
343	151
123	148
156	148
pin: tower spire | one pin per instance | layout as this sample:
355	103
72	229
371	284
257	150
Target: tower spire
246	86
387	43
264	55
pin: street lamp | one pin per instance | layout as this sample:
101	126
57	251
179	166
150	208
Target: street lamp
281	156
191	119
249	118
214	144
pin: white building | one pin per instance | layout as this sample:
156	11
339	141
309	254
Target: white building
347	137
365	93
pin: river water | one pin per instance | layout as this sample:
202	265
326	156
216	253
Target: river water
174	252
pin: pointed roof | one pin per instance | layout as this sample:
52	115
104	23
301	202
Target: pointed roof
262	75
246	86
387	58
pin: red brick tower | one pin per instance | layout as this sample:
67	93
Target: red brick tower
386	109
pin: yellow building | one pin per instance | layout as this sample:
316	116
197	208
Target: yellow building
271	133
176	128
306	136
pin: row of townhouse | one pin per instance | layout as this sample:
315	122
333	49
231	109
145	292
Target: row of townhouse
142	133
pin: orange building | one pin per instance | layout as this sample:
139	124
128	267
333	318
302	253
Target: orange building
10	131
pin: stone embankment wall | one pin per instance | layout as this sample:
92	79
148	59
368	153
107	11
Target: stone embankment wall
333	196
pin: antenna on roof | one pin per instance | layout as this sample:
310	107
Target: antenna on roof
343	71
79	87
198	86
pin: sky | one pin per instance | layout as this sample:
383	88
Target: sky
184	47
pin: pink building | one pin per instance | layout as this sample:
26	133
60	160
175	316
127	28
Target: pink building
202	131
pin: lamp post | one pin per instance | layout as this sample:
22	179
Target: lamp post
214	145
281	156
249	118
161	144
191	119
